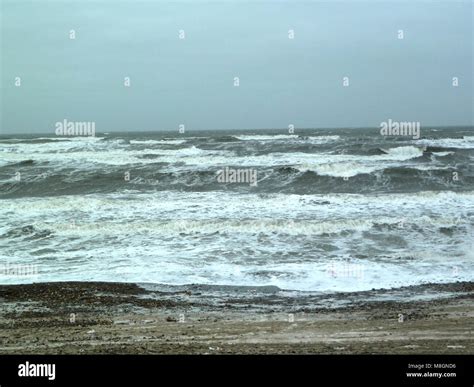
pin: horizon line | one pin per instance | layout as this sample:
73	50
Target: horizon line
240	129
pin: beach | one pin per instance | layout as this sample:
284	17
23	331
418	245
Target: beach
126	318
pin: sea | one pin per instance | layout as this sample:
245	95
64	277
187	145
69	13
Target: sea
335	210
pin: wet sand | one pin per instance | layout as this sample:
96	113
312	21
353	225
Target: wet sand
118	318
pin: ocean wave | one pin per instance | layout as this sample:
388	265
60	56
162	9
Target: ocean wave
158	142
442	154
467	142
352	165
245	226
76	217
188	226
293	137
257	137
269	227
82	158
39	140
343	169
350	169
251	205
294	241
404	152
22	163
28	232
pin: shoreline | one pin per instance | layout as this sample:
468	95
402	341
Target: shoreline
127	318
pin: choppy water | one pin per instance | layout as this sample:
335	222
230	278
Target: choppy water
336	210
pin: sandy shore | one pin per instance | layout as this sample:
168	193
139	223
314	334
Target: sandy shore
86	317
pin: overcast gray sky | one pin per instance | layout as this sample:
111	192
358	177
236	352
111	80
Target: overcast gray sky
191	81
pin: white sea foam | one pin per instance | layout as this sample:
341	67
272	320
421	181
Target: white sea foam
255	137
342	169
241	239
78	155
404	152
442	154
352	165
467	142
225	238
158	142
292	137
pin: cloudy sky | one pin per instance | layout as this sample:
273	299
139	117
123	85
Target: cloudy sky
190	81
